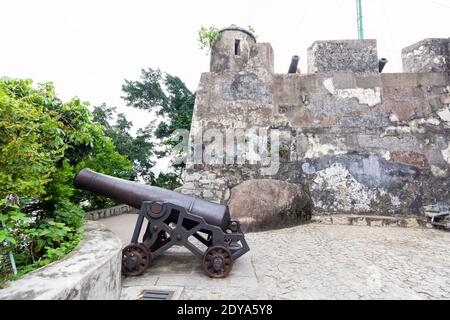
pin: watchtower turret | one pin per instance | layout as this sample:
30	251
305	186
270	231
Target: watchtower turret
237	50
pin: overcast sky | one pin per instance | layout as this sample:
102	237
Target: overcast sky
88	48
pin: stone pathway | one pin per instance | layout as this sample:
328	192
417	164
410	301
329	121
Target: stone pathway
312	261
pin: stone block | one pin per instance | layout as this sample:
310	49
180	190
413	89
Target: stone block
358	56
410	158
211	176
263	204
445	99
204	182
226	195
191	177
428	55
208	194
189	185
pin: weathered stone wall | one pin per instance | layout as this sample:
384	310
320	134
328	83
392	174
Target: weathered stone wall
428	55
360	142
92	271
110	212
358	56
237	50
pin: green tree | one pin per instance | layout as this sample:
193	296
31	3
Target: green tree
168	97
165	94
167	180
208	37
138	149
43	142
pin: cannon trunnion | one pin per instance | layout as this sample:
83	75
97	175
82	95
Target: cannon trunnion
173	219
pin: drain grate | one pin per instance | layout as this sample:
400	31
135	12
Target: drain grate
155	295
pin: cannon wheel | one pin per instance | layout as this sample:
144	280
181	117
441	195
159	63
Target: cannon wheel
217	262
135	259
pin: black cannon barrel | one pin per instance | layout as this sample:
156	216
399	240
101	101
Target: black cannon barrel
294	64
381	63
133	194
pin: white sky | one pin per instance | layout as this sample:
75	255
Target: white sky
87	48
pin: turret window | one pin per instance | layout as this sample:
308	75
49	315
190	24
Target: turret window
237	47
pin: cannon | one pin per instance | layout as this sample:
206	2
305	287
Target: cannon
173	219
381	63
294	64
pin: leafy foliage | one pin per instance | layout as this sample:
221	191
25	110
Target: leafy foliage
252	30
168	97
208	37
168	181
43	142
139	149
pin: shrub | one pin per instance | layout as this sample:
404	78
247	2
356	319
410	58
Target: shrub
43	142
208	37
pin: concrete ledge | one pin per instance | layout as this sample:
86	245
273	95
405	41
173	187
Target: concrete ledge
110	212
92	271
371	221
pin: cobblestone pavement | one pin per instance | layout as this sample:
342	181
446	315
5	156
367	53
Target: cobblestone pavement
312	262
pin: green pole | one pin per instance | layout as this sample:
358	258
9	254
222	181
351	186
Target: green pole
359	19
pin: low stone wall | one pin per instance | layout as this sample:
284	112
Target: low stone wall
110	212
370	221
92	271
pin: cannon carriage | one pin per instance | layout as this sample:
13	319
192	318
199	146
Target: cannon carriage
173	219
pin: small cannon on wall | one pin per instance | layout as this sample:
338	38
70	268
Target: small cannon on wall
173	220
381	64
294	63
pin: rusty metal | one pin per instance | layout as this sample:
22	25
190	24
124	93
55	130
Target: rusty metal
134	194
174	219
217	262
294	63
156	208
135	259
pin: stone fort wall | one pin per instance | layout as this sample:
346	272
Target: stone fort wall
359	141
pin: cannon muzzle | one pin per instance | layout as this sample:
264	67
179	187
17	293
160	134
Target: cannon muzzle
381	63
294	64
134	194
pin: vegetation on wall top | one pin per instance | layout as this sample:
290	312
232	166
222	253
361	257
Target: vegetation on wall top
208	37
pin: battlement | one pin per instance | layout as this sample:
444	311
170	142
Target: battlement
238	50
360	141
428	55
359	56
